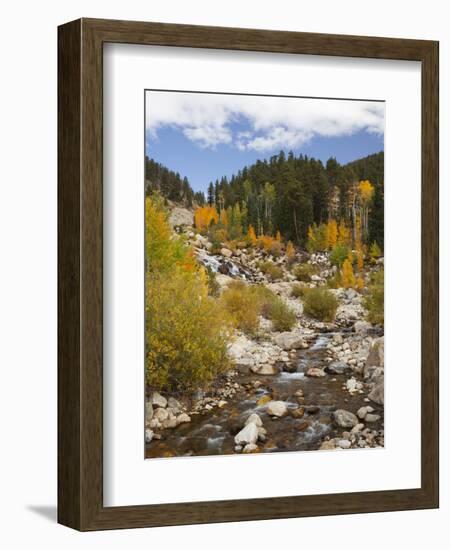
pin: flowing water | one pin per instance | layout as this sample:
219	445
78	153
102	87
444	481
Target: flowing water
213	433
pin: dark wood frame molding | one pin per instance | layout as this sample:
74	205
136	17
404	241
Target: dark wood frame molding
80	266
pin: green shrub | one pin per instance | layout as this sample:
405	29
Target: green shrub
244	303
374	302
339	254
303	272
299	291
320	304
335	281
282	317
272	270
186	331
242	307
213	285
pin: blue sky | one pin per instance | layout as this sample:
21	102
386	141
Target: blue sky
207	136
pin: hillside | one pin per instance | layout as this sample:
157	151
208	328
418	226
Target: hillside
288	194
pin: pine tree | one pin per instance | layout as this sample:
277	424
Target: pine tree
376	219
210	194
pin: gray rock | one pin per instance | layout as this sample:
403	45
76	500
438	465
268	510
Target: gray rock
289	340
345	419
377	393
248	434
266	369
158	400
255	418
372	417
148	411
277	408
161	414
338	367
183	418
315	372
226	252
344	443
149	435
174	404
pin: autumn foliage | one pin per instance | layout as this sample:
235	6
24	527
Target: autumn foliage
186	329
203	217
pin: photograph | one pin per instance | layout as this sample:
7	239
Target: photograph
264	273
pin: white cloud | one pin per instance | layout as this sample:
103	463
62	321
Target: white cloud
271	123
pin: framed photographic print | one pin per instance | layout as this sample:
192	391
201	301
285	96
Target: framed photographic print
248	274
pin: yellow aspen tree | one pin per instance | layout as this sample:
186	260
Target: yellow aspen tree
360	283
278	236
343	234
348	277
290	251
203	217
332	233
252	235
360	260
224	217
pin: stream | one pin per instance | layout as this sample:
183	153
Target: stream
213	433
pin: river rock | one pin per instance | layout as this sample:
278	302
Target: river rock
183	418
377	393
375	357
161	414
338	367
250	448
158	400
149	435
299	412
345	419
148	411
255	418
344	444
289	340
175	405
277	408
226	252
248	434
266	369
372	417
362	412
315	372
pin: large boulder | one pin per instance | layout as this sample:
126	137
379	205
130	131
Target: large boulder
248	434
375	358
277	408
337	367
255	419
289	340
226	252
345	419
158	400
266	369
377	393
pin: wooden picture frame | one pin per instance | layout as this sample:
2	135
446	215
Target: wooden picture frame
80	271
